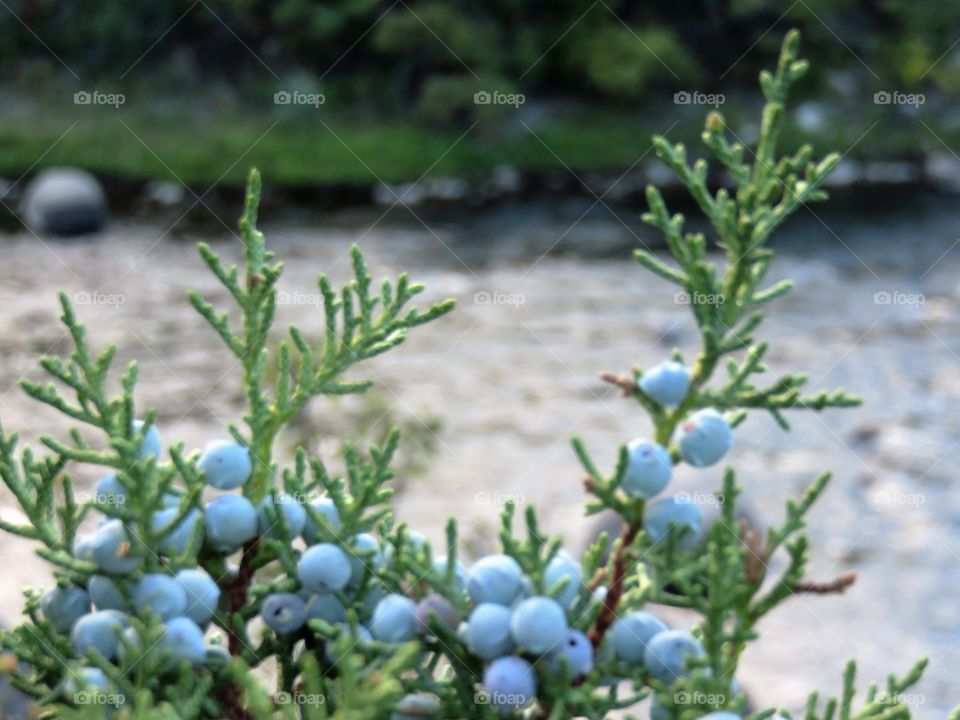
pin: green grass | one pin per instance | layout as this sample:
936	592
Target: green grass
314	151
313	147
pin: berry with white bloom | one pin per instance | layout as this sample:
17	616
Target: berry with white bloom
511	683
495	578
226	464
538	624
667	383
631	634
703	438
648	468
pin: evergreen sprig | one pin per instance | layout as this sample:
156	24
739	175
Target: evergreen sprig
359	324
334	668
724	581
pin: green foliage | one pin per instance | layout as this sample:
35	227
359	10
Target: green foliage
373	416
359	323
328	669
625	62
894	39
726	301
448	99
725	583
433	36
393	73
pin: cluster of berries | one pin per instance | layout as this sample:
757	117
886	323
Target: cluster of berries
511	628
510	624
514	630
97	616
700	440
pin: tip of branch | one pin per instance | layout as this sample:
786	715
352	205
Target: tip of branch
624	382
835	586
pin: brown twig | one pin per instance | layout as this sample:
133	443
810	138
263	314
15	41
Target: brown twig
237	588
608	612
229	696
837	585
231	703
624	382
758	555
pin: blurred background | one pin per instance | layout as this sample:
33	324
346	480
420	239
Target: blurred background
498	152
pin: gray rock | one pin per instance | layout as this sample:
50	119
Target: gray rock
64	201
448	188
660	175
405	194
416	706
167	194
847	173
7	190
811	116
890	172
944	170
506	179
